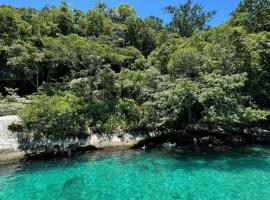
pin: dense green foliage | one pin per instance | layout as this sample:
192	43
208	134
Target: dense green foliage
53	115
188	18
254	15
108	68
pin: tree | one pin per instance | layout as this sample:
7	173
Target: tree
222	103
140	35
254	15
26	58
65	19
154	22
101	7
11	24
171	105
97	23
130	84
188	18
121	13
185	63
79	22
44	22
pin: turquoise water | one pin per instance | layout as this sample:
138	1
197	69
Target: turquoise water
242	173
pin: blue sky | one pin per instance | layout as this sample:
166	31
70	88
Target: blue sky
143	7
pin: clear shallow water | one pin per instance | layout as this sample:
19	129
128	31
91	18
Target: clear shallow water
242	173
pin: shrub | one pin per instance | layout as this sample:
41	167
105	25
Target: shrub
107	116
53	117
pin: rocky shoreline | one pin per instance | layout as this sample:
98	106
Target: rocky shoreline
12	147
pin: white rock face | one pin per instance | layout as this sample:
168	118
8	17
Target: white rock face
9	146
8	140
114	141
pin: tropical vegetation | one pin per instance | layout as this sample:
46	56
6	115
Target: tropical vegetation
108	68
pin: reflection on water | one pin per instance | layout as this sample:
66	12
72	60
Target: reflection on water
168	173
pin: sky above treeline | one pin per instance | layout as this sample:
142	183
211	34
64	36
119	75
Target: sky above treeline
143	7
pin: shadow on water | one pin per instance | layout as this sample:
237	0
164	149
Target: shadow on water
68	161
229	159
190	159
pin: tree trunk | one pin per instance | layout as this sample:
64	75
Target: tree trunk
189	114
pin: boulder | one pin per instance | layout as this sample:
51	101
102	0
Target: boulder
9	146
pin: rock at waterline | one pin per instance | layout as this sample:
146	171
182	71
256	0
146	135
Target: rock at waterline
9	146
